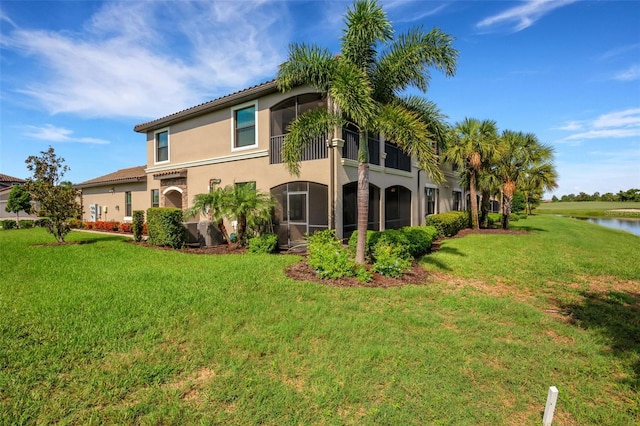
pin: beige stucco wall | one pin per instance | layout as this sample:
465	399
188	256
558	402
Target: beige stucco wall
203	146
112	196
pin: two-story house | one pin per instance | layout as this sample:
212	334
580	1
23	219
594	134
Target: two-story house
238	138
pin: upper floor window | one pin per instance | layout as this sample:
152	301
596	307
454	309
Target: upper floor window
244	127
162	146
396	158
286	111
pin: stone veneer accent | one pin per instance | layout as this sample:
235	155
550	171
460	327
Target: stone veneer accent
181	183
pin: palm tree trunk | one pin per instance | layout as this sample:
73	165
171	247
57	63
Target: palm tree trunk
484	209
474	201
507	197
363	211
363	197
223	231
242	228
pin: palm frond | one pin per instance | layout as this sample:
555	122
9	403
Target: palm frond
306	128
407	129
310	65
351	91
366	26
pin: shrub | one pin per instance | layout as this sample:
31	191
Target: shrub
522	215
328	257
450	223
420	239
371	239
76	224
138	224
43	222
494	218
391	258
126	228
25	223
164	225
514	217
8	224
265	243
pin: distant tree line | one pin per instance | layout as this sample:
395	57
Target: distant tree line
632	194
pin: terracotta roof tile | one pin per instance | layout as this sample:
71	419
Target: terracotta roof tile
132	174
7	178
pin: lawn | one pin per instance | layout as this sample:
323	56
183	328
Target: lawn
590	208
106	331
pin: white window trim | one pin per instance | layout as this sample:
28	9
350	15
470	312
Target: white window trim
155	146
172	188
233	126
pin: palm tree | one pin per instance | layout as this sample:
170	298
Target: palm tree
539	178
242	203
523	154
472	147
365	87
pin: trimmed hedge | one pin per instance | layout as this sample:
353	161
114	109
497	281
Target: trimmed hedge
165	228
8	224
450	223
138	225
420	239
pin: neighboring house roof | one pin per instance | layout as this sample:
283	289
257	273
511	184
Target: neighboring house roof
132	174
222	102
6	179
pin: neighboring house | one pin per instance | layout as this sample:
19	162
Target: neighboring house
6	182
113	197
237	138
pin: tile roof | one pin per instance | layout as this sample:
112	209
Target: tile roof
240	96
132	174
7	178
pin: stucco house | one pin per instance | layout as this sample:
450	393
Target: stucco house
6	183
238	138
115	196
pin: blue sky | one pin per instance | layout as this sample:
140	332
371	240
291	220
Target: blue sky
78	75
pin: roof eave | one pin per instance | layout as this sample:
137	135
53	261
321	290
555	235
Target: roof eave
207	107
109	182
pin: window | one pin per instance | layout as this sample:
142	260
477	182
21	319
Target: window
396	158
155	198
457	200
250	184
162	146
127	204
244	127
430	194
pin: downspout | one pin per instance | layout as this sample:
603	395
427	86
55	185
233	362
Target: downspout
420	218
332	179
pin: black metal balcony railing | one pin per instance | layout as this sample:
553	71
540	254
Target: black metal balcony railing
396	158
315	150
351	144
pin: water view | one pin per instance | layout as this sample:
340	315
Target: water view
629	225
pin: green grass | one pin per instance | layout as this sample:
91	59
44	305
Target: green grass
589	208
110	332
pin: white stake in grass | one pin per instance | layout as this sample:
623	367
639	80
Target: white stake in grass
552	397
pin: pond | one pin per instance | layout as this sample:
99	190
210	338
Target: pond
629	225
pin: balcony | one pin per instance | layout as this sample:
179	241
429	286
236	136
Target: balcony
352	142
315	150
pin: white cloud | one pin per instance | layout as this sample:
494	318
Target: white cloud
148	59
613	125
52	133
523	16
630	74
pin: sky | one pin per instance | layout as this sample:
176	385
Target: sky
79	75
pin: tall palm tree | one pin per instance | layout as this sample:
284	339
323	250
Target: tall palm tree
472	147
539	178
365	87
523	154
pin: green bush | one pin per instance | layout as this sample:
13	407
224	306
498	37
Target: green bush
138	224
392	258
43	222
522	215
493	219
8	224
420	239
26	223
328	257
265	243
514	217
164	227
371	239
450	223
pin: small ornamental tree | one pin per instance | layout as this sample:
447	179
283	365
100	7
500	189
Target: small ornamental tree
56	200
19	200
